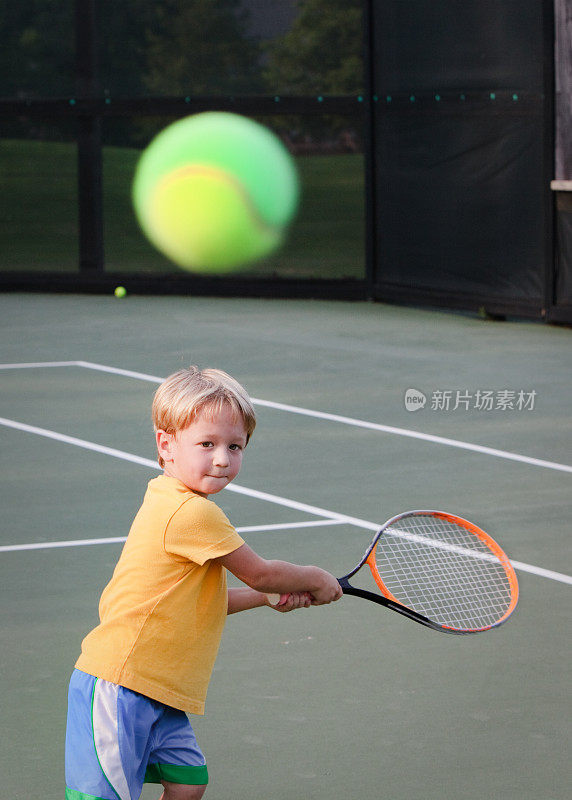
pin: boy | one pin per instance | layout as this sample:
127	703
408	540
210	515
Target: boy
149	660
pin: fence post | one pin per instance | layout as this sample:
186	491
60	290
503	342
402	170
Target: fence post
90	185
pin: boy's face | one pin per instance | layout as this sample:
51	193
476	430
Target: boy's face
207	455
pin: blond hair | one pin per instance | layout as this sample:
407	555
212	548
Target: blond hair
190	391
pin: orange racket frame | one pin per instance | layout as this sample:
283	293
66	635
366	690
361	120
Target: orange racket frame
388	600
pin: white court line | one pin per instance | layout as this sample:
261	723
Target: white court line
141	376
147	462
425	437
38	364
14	548
287	526
61	437
308	412
330	516
280	526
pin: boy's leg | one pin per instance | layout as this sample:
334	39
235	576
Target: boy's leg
85	777
116	739
178	791
108	740
176	760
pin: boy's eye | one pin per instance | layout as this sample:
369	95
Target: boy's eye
207	444
235	447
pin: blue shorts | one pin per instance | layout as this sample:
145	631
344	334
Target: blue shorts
117	740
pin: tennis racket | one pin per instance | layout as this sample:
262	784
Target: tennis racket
440	571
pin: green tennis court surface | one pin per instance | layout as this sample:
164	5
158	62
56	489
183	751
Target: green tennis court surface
342	701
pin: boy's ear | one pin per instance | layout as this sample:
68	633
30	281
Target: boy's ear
164	445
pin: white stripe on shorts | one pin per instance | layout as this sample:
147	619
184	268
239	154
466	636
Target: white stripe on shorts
106	736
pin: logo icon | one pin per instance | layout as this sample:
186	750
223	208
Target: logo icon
414	400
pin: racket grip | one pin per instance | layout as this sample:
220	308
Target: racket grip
273	599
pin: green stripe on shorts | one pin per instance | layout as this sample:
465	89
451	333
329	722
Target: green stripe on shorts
71	794
195	776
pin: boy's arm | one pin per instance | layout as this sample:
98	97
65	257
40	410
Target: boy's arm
243	598
281	577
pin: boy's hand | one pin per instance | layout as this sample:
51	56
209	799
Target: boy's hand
289	602
329	590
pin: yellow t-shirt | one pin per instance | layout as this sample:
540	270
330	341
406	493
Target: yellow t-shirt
163	612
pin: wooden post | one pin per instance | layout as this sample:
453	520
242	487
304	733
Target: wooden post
563	66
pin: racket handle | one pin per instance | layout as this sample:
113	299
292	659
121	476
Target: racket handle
273	599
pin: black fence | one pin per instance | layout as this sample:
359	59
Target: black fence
424	133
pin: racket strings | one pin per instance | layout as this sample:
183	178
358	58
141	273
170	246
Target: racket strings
443	571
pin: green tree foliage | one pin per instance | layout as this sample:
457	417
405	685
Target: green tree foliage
201	47
37	55
322	53
122	30
144	46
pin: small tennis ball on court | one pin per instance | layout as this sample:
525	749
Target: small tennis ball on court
120	291
215	192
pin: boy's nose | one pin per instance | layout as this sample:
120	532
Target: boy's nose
221	457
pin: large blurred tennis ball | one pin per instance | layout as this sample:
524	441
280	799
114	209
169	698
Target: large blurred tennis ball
215	191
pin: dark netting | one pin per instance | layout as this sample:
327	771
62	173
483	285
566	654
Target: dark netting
447	45
98	79
461	144
37	57
423	132
460	204
39	198
230	47
200	47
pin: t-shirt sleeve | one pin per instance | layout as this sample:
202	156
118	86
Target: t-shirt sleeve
199	531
